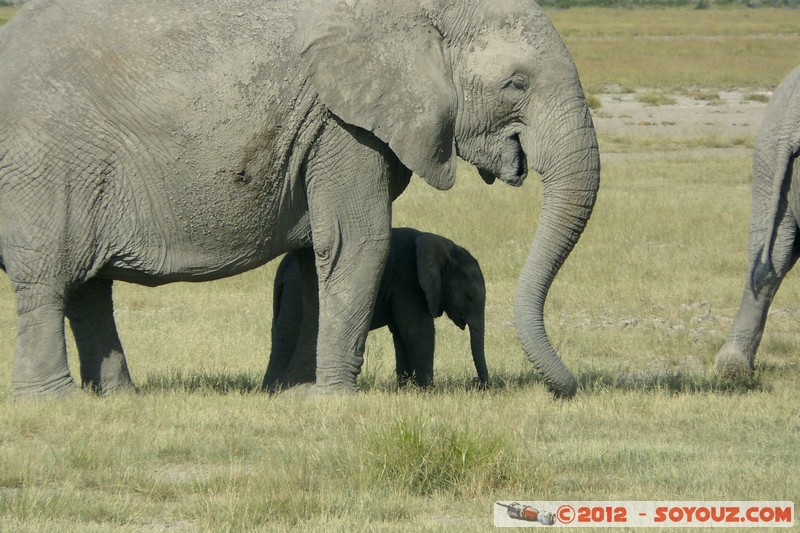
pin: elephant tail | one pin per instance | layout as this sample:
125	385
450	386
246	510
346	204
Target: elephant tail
762	268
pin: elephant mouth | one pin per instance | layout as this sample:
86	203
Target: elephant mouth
458	320
520	163
513	164
487	176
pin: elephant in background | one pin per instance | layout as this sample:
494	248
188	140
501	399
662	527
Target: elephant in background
774	245
425	275
190	140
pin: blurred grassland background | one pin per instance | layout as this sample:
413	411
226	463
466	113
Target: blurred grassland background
638	312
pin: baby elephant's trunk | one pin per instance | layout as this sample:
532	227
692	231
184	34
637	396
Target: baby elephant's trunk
478	356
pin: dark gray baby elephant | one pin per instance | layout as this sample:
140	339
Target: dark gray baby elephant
425	275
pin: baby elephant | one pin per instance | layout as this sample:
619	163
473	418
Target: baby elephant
425	275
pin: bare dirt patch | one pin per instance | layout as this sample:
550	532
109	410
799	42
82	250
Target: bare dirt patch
711	115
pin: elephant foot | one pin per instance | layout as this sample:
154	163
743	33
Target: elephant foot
115	389
333	389
59	388
283	388
733	361
309	390
330	381
110	386
300	390
479	384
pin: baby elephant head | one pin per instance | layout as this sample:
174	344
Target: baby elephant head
453	283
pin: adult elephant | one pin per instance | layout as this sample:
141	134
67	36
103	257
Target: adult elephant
188	140
774	244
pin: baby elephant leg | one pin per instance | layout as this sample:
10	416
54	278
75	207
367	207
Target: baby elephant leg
90	311
414	344
299	362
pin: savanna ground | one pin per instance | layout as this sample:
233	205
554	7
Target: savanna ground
638	312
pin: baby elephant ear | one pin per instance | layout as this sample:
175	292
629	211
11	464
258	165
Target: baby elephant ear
433	257
391	79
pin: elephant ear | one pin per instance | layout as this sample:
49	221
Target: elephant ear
389	76
433	260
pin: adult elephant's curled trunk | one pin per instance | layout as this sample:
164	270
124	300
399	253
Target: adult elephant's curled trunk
571	180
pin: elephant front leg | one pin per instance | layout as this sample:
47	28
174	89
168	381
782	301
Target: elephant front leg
346	302
40	355
350	212
90	311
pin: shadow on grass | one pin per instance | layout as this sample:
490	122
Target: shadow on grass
596	380
202	382
589	380
669	381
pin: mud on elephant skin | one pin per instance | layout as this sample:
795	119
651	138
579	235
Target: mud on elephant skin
195	139
426	275
774	241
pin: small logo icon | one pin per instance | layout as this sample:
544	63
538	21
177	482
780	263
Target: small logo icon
565	514
517	511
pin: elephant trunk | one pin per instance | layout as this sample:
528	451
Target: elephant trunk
570	169
476	341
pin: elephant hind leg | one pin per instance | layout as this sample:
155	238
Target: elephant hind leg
403	368
287	317
737	356
90	311
414	344
295	334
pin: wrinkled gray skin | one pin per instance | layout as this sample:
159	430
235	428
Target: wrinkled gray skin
190	140
425	275
774	244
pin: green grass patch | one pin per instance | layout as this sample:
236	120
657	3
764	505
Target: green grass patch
203	382
676	48
757	97
655	98
663	143
426	458
670	381
709	96
6	12
593	101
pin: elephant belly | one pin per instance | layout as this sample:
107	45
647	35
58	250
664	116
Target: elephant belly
211	252
180	265
219	229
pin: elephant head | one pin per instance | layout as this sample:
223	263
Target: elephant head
490	82
453	283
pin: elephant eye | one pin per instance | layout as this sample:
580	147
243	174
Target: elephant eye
517	82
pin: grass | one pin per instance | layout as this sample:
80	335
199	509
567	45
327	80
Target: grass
638	312
6	12
675	48
593	101
638	316
757	97
708	96
655	98
660	143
